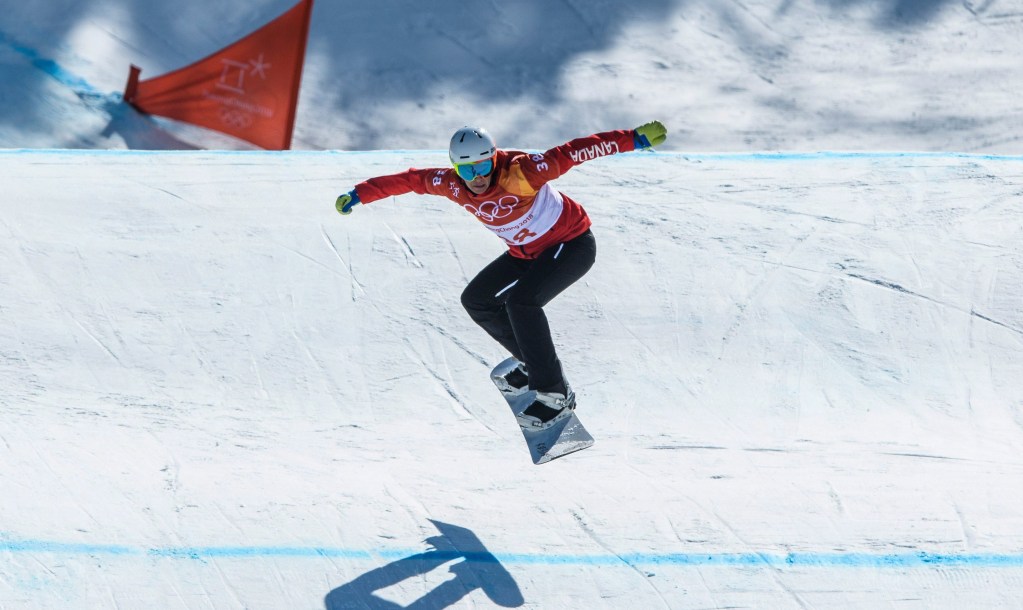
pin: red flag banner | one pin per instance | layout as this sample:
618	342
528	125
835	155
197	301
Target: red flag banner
248	89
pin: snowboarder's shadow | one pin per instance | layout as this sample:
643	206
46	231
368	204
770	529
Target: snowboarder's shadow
475	568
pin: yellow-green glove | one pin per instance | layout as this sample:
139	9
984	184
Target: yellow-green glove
650	134
346	202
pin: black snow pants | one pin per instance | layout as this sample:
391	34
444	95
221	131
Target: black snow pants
507	298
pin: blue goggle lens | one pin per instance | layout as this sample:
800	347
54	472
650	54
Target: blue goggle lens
468	171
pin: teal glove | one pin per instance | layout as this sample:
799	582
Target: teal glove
650	134
346	202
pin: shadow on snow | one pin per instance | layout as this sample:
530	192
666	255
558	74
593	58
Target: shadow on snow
474	568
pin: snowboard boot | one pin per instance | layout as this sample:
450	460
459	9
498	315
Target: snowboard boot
547	409
515	383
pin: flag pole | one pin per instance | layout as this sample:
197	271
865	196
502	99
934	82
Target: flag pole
131	88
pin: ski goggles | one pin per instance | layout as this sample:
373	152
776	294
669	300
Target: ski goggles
468	171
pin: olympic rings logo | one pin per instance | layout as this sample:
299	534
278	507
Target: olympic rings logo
494	210
235	118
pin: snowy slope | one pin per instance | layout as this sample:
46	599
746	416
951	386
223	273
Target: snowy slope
802	371
732	75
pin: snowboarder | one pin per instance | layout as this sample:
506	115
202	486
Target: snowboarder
550	245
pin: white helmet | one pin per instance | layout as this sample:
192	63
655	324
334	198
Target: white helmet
471	144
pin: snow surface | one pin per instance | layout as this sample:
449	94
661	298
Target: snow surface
802	368
802	372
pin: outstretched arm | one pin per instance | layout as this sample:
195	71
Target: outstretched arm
560	159
421	181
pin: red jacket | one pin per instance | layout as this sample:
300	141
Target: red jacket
520	207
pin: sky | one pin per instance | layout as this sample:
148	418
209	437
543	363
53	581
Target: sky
798	351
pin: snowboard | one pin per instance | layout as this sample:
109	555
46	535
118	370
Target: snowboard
564	437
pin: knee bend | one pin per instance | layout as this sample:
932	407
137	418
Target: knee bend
475	305
468	302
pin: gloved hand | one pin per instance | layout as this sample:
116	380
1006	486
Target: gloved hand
650	134
346	202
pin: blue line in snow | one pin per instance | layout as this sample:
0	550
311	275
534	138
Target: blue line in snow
774	560
63	548
826	155
49	66
681	156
